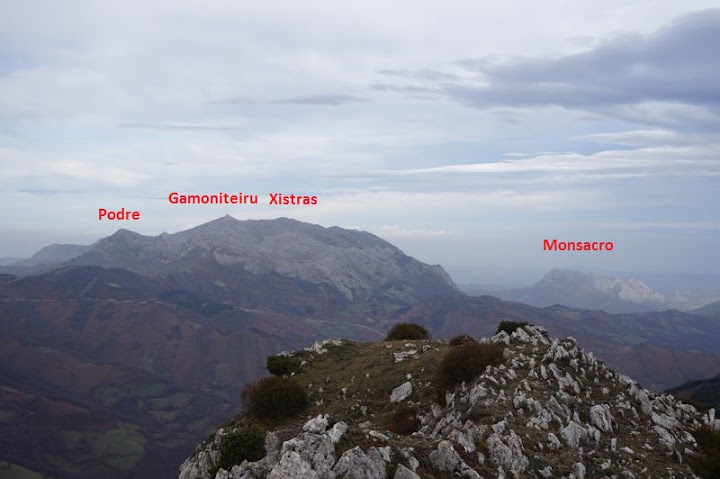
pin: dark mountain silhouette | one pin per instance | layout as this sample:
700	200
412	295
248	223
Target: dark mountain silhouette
712	309
704	392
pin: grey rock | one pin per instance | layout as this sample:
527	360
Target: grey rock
200	464
573	433
665	421
401	392
547	473
665	438
317	450
541	421
336	432
553	442
601	418
445	458
579	470
506	451
357	464
403	355
317	425
403	472
293	466
461	439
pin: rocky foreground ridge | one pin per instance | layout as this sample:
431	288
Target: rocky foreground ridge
547	409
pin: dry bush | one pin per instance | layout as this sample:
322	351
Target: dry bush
510	326
706	463
282	365
404	421
461	339
403	331
275	397
466	362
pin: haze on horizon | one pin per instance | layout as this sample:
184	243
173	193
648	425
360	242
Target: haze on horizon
463	133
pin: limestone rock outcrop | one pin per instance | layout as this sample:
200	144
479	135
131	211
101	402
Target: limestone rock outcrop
548	410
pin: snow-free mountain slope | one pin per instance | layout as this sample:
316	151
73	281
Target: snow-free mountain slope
53	255
588	291
358	264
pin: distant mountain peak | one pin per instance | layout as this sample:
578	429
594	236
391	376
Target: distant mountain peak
577	289
626	289
54	254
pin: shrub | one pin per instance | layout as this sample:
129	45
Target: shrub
461	339
407	331
282	365
707	462
465	362
275	397
404	421
510	326
247	443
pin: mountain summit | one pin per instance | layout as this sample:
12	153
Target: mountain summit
358	264
522	405
587	291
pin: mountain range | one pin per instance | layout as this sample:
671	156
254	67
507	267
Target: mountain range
136	347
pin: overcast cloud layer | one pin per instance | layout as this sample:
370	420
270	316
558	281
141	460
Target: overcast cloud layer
465	133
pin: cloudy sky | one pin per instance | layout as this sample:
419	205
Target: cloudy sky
464	132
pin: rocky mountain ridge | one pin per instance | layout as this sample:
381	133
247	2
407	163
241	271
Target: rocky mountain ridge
588	291
358	264
548	410
627	289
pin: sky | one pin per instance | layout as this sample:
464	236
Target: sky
464	132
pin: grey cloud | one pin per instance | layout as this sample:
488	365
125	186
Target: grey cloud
403	88
423	82
423	74
666	78
651	138
32	191
172	127
321	100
